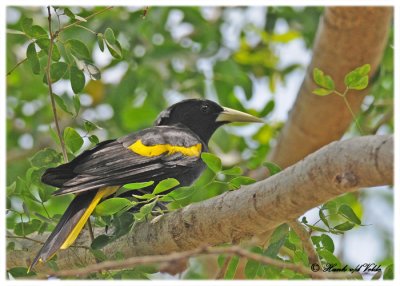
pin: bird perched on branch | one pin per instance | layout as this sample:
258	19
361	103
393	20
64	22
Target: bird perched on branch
169	149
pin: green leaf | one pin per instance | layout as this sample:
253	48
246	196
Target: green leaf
331	206
234	171
26	25
115	49
212	161
109	36
327	242
112	44
232	266
293	237
276	241
100	41
38	32
241	180
77	79
300	257
57	71
329	257
69	13
272	168
323	218
77	104
344	226
33	58
358	78
111	206
269	107
78	49
20	272
137	186
94	139
60	102
26	228
165	185
98	254
44	45
45	158
388	273
316	228
89	126
348	212
72	139
100	241
359	84
323	80
322	91
144	211
252	266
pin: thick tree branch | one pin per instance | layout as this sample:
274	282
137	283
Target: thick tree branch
347	37
337	168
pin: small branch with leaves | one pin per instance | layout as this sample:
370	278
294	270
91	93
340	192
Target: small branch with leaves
357	79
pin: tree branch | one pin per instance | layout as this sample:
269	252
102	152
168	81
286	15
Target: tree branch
177	256
49	84
338	168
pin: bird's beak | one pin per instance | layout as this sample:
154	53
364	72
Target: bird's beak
232	115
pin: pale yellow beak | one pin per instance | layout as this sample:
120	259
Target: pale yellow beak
232	115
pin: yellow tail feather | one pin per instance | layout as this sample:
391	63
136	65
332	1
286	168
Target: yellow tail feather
101	193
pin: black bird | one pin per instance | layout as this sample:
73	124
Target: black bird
169	149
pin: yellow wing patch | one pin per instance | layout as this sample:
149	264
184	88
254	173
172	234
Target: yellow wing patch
156	150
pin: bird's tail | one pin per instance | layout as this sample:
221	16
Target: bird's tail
71	223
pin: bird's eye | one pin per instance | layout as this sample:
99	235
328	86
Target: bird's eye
204	108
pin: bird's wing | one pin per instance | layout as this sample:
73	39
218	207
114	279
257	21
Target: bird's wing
152	154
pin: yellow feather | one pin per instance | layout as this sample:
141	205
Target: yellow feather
156	150
101	193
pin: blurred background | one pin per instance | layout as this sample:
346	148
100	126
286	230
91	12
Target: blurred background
247	58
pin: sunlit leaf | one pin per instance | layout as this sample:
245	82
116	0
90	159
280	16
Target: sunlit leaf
348	212
323	80
165	185
60	102
72	139
212	161
111	206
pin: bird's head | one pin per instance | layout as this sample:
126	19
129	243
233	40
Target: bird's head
202	116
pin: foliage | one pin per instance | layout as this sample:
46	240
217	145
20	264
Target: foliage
113	70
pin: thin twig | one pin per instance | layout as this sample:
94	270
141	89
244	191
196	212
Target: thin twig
86	18
87	29
17	65
352	114
49	84
91	234
41	242
305	238
25	237
233	250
